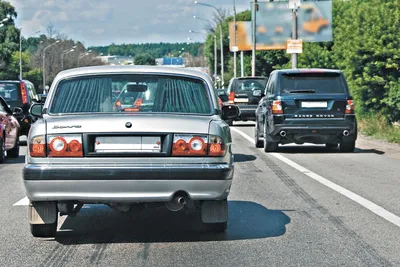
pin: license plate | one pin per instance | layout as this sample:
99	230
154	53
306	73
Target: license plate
132	144
241	100
314	104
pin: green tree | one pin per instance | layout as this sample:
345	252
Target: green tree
144	59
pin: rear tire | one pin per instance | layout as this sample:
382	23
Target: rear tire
2	150
44	230
268	145
14	152
257	142
347	147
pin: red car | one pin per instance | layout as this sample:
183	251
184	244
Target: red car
9	131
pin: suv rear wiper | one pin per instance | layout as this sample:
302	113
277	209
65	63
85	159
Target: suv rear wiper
302	91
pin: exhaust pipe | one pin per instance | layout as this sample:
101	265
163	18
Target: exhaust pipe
346	133
283	133
177	203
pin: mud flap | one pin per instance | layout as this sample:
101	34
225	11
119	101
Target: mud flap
42	212
214	211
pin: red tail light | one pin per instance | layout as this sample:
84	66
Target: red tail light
37	147
220	102
24	94
198	146
231	98
138	102
277	107
350	107
65	145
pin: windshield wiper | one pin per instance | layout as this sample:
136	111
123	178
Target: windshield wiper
302	91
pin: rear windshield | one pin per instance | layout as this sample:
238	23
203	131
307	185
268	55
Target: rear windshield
248	85
9	91
319	83
132	93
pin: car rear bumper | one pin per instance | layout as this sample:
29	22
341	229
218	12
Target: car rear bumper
247	112
129	184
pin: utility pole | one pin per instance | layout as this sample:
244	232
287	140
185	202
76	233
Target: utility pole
222	54
215	59
20	54
241	63
253	60
234	51
294	34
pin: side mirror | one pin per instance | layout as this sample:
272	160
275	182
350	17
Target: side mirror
36	110
230	112
17	111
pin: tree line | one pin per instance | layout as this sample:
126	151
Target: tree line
366	46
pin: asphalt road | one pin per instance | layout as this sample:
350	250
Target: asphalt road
300	214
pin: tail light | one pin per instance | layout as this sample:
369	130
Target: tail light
37	146
231	98
189	145
350	107
24	94
198	146
216	146
220	102
66	145
277	107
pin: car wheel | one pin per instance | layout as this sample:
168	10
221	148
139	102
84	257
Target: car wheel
268	145
3	151
331	145
14	152
44	230
257	142
347	147
229	122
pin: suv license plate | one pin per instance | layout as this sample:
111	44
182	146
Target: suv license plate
314	104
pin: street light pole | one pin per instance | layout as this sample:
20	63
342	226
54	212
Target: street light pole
84	55
72	49
215	58
20	54
221	41
44	62
234	51
294	35
253	60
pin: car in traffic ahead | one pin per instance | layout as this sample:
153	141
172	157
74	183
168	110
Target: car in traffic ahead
9	131
306	106
21	94
245	92
167	144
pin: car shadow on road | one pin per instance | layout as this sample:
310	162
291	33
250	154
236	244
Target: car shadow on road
243	158
100	224
19	160
315	149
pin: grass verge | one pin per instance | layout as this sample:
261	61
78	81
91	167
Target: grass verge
376	126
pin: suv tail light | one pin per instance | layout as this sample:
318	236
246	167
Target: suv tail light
277	107
24	94
220	102
198	146
350	107
66	145
231	98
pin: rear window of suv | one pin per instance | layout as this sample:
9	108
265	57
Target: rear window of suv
9	91
248	85
313	83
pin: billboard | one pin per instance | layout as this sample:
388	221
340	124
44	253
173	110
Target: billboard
172	61
274	25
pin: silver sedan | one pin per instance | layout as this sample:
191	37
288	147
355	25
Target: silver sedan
167	143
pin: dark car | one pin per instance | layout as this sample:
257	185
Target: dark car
21	94
246	92
306	106
9	129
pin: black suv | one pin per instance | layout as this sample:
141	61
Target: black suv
20	94
246	92
306	106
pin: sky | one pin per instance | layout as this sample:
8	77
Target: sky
102	22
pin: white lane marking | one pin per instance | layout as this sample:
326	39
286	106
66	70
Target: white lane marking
22	202
378	210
